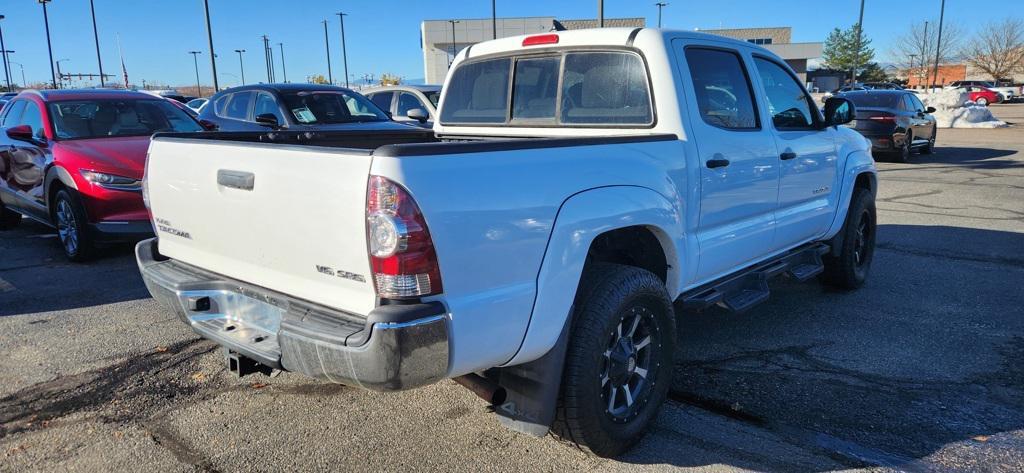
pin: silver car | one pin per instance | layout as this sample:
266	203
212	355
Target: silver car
412	104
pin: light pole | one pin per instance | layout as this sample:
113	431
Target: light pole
856	51
330	75
3	50
344	51
600	13
49	46
266	59
660	5
60	76
22	66
284	71
494	20
938	43
453	22
241	67
96	36
209	38
195	61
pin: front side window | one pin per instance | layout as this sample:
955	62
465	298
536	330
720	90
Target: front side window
319	107
788	103
265	104
238	107
33	117
724	98
382	100
478	93
406	102
14	113
76	119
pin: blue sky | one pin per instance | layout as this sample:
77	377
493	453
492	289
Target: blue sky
382	36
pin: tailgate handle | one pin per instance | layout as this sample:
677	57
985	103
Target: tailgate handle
236	179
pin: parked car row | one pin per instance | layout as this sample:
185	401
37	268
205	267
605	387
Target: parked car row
74	159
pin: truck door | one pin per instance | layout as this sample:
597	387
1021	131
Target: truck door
806	152
739	173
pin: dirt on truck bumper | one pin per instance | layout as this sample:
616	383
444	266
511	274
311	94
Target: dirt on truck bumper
394	347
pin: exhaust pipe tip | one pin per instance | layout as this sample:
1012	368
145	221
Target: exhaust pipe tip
484	388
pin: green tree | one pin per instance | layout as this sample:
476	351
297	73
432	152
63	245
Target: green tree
841	52
872	72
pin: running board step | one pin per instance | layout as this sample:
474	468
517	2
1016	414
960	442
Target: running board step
749	287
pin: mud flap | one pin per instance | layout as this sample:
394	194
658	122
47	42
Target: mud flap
533	389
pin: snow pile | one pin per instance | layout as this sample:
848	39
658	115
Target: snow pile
954	110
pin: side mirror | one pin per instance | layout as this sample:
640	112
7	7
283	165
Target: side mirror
839	111
929	110
208	125
268	119
418	114
21	133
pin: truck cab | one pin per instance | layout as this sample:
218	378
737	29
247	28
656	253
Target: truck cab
576	189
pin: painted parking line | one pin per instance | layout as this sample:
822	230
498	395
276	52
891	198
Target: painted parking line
6	286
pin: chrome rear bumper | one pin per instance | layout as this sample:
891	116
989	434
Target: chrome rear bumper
394	347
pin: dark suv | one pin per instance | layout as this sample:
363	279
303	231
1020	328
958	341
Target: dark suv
895	121
294	107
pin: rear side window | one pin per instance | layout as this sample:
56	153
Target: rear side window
478	93
238	107
382	100
723	91
220	106
603	88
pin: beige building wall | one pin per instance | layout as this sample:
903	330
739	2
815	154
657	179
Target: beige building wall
778	35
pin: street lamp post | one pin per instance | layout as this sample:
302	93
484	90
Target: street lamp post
284	71
22	66
96	36
195	61
241	67
344	51
3	50
327	44
938	43
60	76
453	22
600	13
660	5
49	46
209	38
494	20
856	51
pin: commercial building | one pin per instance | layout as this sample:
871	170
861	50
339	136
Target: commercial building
441	40
779	41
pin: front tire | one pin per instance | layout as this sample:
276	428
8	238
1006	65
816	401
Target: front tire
902	155
618	365
72	229
849	268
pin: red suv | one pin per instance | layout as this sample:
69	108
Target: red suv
74	160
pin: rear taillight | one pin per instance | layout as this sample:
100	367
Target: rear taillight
402	254
883	119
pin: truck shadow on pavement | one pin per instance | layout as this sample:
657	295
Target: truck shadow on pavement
927	354
969	158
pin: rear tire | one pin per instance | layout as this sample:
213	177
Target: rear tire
9	219
72	226
618	366
982	101
849	268
930	147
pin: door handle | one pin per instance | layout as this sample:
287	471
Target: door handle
717	163
786	156
236	179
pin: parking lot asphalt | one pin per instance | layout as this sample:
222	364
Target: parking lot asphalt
922	369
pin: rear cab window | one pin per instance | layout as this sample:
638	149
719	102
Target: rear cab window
570	88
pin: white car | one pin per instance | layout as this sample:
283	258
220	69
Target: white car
576	187
413	104
197	104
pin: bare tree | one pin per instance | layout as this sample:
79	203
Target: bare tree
997	49
915	49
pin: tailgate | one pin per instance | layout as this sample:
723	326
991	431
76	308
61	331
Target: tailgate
287	218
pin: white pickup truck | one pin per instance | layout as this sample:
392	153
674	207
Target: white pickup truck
578	192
